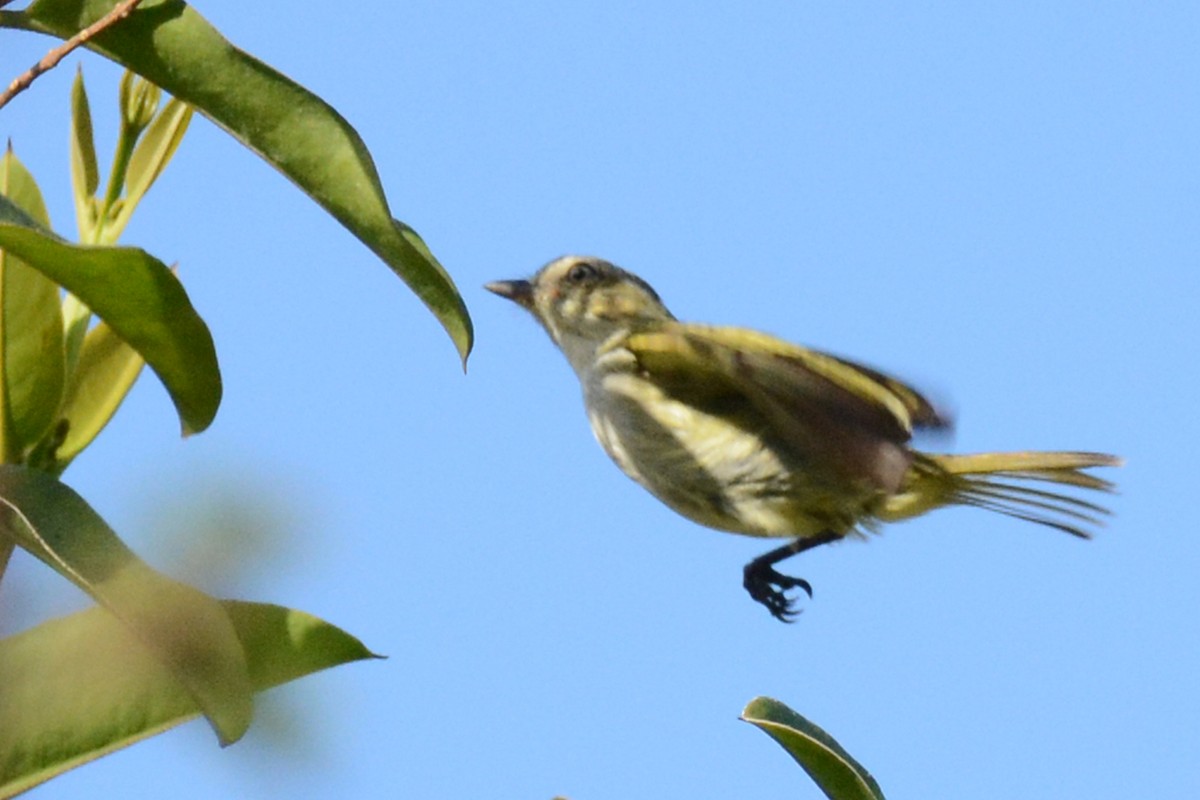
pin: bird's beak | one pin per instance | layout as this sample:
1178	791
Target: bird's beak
520	292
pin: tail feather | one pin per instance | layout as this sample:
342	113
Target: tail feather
1080	508
1022	502
997	482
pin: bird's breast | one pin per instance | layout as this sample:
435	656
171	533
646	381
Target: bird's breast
715	470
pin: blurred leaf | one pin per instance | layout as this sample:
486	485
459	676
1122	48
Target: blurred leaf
283	644
31	330
292	129
832	768
188	631
140	299
106	370
82	686
85	175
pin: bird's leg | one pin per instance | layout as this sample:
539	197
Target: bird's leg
767	585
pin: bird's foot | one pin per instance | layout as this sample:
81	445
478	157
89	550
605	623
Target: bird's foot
768	586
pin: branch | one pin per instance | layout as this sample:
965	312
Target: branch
51	59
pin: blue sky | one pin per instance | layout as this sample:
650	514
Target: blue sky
997	202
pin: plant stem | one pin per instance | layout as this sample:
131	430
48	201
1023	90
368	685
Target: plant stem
51	59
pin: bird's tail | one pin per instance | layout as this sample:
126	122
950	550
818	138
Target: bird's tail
1007	483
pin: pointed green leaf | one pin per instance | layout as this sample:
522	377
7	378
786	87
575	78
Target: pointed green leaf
154	150
85	175
283	644
831	767
31	330
19	186
105	373
189	632
79	687
294	130
76	318
140	299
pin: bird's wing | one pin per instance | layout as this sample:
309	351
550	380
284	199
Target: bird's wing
783	381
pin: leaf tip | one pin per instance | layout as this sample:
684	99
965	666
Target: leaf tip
191	423
225	741
190	427
754	709
232	725
462	334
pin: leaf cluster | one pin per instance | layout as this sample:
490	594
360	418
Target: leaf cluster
78	321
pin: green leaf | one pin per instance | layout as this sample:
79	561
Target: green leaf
105	372
85	179
283	644
832	768
32	358
189	633
151	155
291	128
18	185
85	174
140	299
82	686
154	150
138	101
144	150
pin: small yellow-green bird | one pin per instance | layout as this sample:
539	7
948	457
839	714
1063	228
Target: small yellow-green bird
743	432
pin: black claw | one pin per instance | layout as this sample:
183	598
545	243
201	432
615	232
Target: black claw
767	586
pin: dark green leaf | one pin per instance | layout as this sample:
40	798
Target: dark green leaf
82	686
32	358
189	632
831	767
294	130
140	299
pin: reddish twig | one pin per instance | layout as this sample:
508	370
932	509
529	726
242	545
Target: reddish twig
51	59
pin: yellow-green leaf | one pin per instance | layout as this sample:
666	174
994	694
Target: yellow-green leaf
155	148
85	175
32	358
79	687
106	370
143	302
188	632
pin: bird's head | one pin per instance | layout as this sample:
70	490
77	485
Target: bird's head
583	301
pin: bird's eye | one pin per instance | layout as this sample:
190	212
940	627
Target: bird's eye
582	272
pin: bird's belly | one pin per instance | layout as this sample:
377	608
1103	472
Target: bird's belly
711	470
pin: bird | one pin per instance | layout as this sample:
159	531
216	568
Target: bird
743	432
